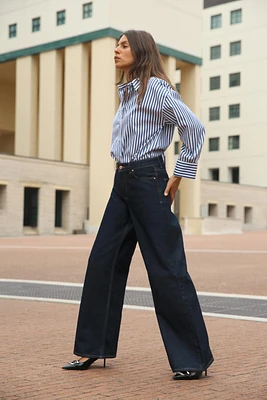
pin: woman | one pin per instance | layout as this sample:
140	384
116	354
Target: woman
139	209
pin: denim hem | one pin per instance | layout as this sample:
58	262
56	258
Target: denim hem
94	355
202	368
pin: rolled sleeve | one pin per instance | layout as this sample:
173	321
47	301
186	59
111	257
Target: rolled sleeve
185	169
191	131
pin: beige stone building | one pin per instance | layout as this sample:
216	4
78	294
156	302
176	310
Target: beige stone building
58	98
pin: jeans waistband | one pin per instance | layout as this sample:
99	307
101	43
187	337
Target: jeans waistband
159	161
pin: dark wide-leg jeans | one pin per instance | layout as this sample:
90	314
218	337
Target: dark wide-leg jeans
138	211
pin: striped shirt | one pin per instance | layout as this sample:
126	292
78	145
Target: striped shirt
145	132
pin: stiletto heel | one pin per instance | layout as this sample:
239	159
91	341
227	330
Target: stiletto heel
104	363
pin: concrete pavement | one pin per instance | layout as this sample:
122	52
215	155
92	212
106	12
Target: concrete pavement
37	337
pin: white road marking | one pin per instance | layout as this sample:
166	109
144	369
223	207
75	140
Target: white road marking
226	251
44	299
16	247
43	282
230	251
240	317
138	308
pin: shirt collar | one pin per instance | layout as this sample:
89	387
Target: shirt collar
134	85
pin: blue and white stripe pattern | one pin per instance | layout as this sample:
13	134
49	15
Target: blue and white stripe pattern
146	132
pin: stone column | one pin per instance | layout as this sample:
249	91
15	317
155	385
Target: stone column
50	105
26	106
170	68
75	138
189	188
103	104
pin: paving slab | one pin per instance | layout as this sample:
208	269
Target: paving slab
217	263
36	338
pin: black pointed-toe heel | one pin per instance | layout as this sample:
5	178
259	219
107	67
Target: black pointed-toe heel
81	365
188	375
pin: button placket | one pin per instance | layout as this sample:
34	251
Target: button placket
120	137
123	109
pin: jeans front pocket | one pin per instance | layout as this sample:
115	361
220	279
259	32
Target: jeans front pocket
144	173
162	180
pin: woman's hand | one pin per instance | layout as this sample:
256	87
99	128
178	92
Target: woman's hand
172	186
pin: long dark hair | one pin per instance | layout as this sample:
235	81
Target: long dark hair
148	61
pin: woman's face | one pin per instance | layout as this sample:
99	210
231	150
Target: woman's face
124	59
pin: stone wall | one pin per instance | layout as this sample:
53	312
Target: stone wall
231	207
16	173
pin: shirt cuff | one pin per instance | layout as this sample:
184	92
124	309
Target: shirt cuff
185	169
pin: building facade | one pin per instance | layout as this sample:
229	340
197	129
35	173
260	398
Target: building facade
233	109
57	102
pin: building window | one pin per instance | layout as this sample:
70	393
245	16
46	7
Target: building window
61	208
215	82
176	147
235	48
216	21
3	190
214	113
234	174
212	209
234	79
230	211
234	111
30	207
233	142
36	24
247	215
236	17
214	174
214	144
61	17
215	52
87	10
12	29
58	208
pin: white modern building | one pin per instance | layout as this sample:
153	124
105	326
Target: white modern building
234	110
58	98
